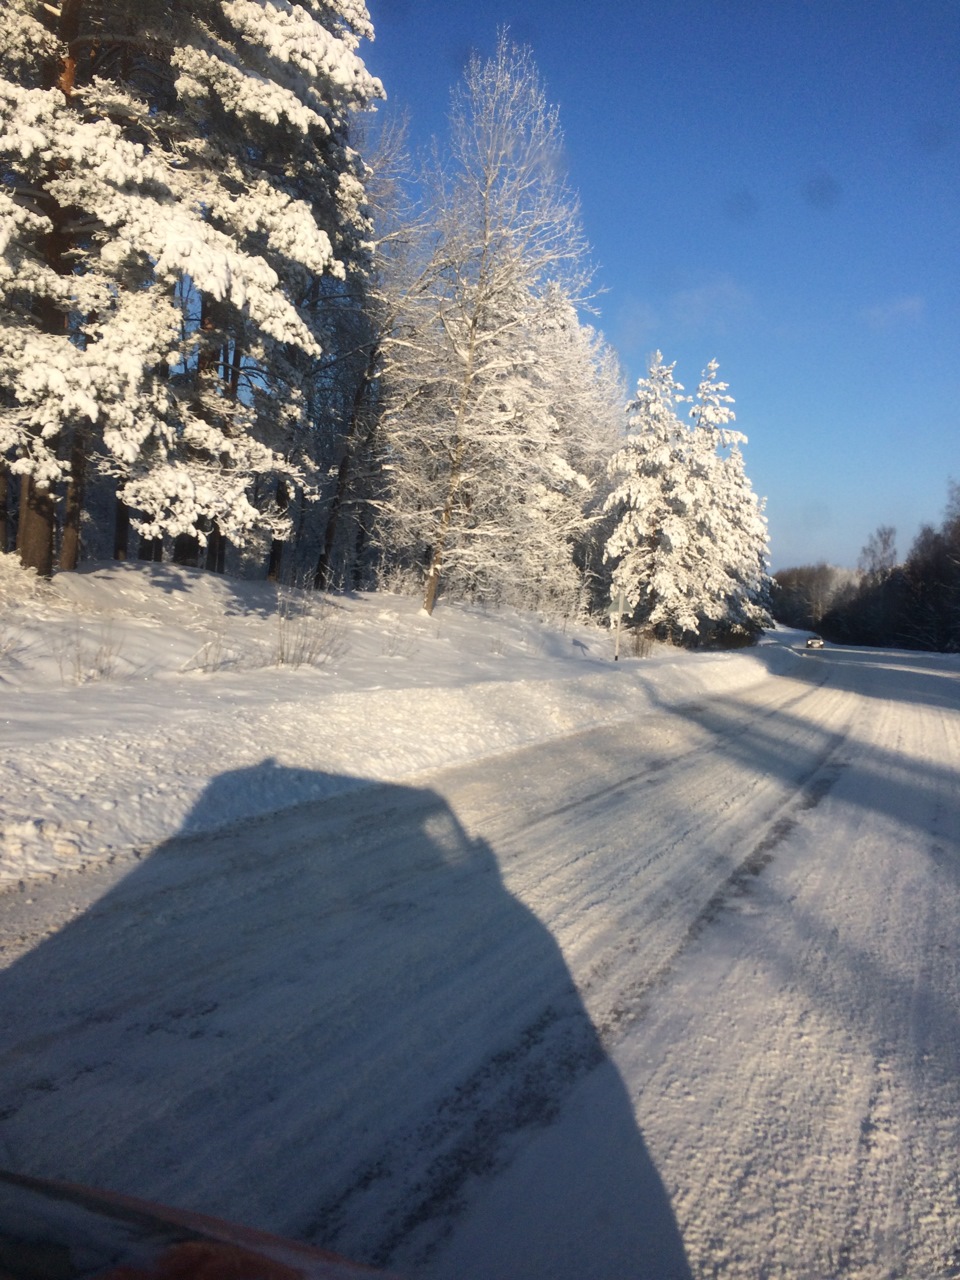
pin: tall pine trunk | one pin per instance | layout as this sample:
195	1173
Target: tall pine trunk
70	539
277	544
121	530
35	527
355	437
321	577
151	549
4	508
216	557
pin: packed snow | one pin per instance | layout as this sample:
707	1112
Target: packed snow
455	946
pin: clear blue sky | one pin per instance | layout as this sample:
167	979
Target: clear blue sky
776	185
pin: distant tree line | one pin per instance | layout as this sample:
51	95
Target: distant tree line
911	605
237	336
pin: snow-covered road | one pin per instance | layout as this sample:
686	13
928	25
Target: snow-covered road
675	997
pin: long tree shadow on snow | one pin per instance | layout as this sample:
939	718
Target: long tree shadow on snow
893	675
336	1024
781	740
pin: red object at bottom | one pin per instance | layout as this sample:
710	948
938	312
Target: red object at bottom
59	1231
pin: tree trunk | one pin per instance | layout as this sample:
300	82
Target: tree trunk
69	30
359	547
275	560
321	577
436	557
4	509
35	527
121	530
70	541
216	550
277	545
186	550
433	584
456	472
151	549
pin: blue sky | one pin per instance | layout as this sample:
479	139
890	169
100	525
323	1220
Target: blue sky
774	185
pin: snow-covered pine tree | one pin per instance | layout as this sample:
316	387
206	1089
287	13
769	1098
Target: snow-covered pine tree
650	546
175	182
731	539
690	545
530	483
569	405
480	481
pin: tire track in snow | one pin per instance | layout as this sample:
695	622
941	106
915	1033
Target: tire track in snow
697	808
476	1148
632	1000
798	1075
640	850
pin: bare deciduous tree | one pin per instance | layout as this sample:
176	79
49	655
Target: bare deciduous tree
878	558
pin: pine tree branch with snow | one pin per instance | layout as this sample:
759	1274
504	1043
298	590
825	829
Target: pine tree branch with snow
176	182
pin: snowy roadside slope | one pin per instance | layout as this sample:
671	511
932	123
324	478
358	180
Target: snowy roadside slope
127	688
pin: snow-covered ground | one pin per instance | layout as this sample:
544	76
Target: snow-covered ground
467	951
125	689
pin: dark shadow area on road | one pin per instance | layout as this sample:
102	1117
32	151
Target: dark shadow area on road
780	741
334	1023
894	675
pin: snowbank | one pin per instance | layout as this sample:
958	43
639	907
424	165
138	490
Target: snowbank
127	688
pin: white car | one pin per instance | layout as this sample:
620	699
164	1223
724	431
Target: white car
814	643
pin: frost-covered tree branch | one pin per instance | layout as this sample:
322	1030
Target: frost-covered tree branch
496	395
146	155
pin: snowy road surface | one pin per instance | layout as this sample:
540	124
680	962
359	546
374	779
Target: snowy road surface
673	998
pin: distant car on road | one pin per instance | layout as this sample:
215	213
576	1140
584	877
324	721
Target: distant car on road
814	643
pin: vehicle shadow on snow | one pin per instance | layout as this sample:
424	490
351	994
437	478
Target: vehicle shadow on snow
335	1023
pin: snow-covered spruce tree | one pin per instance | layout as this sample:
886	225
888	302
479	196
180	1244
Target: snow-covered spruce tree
648	547
689	547
485	488
731	540
175	182
305	210
568	405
